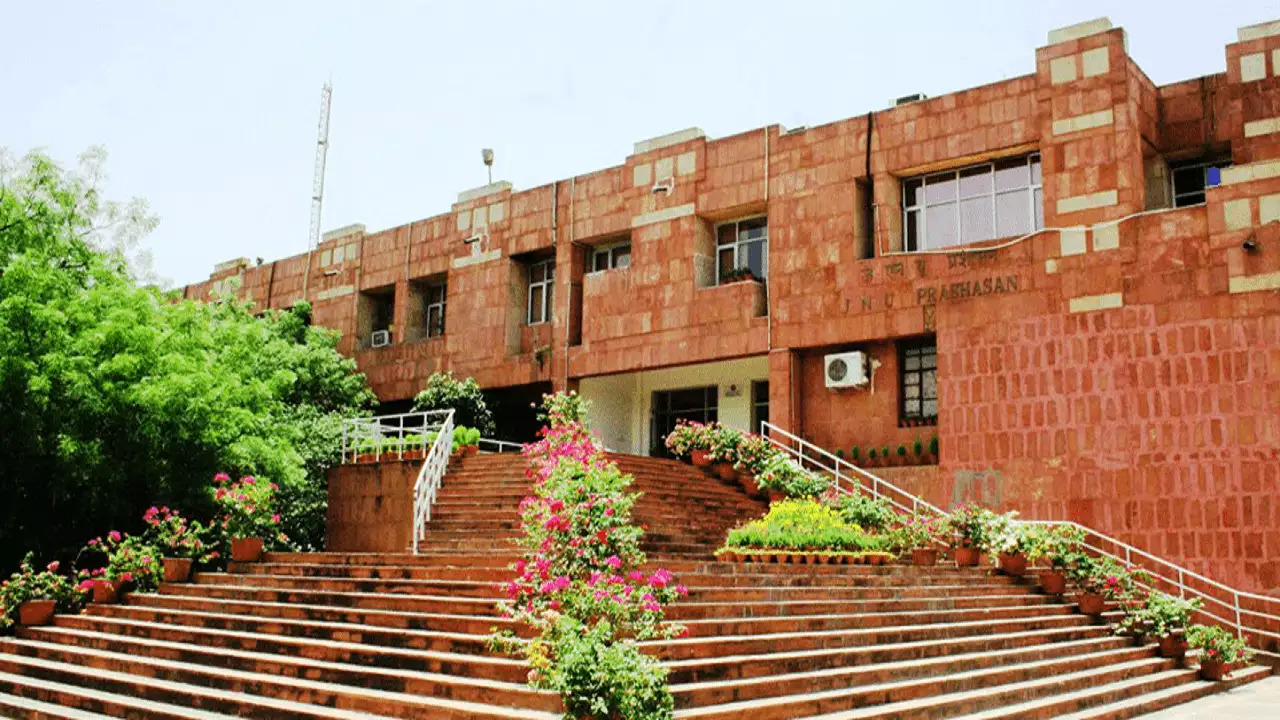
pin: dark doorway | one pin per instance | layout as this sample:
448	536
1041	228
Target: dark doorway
699	404
515	411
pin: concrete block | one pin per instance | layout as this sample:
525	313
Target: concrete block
1071	241
1260	30
675	138
1250	172
663	215
1096	61
1268	209
1090	303
1254	283
1106	236
664	168
686	163
1087	202
1062	70
1083	122
1253	67
1079	30
1261	127
1237	214
642	175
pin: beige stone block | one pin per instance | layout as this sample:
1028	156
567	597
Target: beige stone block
664	168
1253	67
352	229
1106	236
351	252
1096	61
1087	202
326	257
1261	127
477	258
687	163
464	221
483	190
1083	122
1268	209
339	254
480	217
1250	172
642	175
1237	214
668	140
1260	30
1090	303
497	212
1062	70
1079	30
1254	283
1051	266
336	292
1071	241
671	213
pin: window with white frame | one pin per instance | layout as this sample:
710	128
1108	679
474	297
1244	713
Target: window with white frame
435	309
742	246
611	257
1190	178
541	280
980	202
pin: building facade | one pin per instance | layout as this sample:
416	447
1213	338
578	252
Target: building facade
1071	278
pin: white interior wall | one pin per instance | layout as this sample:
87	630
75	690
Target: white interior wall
621	404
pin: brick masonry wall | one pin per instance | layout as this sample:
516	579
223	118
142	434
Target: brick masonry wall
371	507
1121	369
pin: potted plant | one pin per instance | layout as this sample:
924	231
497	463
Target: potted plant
972	530
855	455
1101	579
783	478
248	515
682	440
1164	617
1060	546
469	440
724	451
1220	651
700	444
31	598
1011	543
179	541
872	457
885	458
754	454
902	454
920	535
411	447
933	448
736	275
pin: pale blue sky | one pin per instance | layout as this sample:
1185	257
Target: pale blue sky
209	109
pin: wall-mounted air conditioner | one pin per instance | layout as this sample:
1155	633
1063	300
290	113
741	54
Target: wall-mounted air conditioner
848	369
381	338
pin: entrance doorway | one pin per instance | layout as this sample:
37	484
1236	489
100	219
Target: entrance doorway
699	404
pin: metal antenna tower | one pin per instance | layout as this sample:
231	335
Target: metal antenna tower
322	150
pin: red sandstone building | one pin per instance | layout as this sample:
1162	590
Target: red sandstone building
1071	277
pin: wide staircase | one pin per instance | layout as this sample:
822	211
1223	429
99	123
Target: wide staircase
332	635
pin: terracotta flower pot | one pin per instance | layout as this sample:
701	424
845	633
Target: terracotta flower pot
1214	670
367	457
177	570
35	612
1173	645
748	483
1053	582
775	496
415	454
246	550
725	472
1092	603
701	458
1013	564
924	557
104	592
469	450
967	557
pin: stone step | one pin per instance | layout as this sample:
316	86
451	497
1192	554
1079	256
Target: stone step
782	661
815	623
447	663
699	647
29	695
770	608
875	686
1149	702
242	694
368	601
424	559
1061	690
453	589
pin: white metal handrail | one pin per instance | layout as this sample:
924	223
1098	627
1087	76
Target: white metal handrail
430	477
490	445
403	436
1247	623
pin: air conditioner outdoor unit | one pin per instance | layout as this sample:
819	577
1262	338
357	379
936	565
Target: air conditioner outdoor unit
381	338
848	369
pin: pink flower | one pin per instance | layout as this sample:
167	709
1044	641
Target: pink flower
247	480
53	566
609	512
636	576
614	562
276	518
221	478
85	585
93	542
126	577
114	535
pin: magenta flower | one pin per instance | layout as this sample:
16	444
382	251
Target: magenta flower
614	562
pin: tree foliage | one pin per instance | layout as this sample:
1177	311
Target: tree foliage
116	397
464	397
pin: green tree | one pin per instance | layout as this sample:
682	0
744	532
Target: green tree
117	396
444	391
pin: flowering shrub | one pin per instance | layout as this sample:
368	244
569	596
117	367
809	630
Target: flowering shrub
128	561
976	527
754	454
784	476
1059	544
579	583
1161	615
919	532
1105	576
802	525
27	584
1218	644
176	537
687	437
247	509
725	442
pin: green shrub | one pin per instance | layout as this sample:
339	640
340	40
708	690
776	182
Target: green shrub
933	446
445	392
597	676
854	453
917	447
784	476
1218	644
800	525
872	513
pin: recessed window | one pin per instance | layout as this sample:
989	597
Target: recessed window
1190	179
699	404
542	277
918	393
975	203
611	257
742	247
759	404
435	297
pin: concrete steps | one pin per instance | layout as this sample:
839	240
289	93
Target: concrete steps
345	635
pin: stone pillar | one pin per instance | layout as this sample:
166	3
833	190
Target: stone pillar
784	390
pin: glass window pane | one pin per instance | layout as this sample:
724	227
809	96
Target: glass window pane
911	389
911	194
600	261
975	219
940	226
929	359
975	181
727	234
911	361
535	304
622	257
913	230
551	270
911	408
1035	169
537	272
727	263
753	257
1013	214
1012	173
1188	180
930	409
1037	204
929	384
753	229
940	188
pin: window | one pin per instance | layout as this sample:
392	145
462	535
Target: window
612	257
1192	177
918	368
541	280
699	404
759	404
980	202
742	245
435	309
